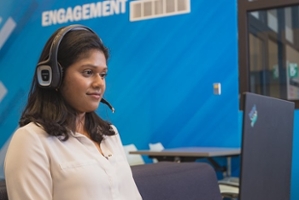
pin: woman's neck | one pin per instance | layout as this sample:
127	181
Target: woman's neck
80	121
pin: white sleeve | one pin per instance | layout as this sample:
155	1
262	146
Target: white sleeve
27	171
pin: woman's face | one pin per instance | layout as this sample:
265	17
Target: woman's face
84	82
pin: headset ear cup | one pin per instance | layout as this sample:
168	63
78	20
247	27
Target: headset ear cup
44	75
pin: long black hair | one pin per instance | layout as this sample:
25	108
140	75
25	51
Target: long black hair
47	107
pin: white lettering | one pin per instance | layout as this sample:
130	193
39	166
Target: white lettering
106	10
45	18
95	10
123	5
83	12
77	13
117	5
52	16
114	7
60	16
69	15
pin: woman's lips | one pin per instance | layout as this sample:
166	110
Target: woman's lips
95	95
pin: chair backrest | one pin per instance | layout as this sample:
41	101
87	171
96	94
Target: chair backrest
3	191
156	147
266	155
176	181
133	159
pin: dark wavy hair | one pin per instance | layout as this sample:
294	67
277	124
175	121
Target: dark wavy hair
47	107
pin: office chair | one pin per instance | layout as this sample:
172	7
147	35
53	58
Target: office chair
133	159
176	181
3	192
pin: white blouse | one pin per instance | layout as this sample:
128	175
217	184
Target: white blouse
42	167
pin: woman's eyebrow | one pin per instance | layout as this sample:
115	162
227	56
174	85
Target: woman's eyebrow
93	66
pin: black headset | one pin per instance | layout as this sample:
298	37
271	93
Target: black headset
49	72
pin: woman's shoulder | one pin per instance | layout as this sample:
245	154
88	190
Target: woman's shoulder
27	138
30	130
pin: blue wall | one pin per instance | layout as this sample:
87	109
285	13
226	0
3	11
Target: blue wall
295	167
161	72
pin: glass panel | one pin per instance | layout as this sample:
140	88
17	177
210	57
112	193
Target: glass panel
274	52
273	69
292	76
288	25
256	64
272	20
255	14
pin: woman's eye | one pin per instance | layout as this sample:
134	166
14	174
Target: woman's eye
103	75
87	72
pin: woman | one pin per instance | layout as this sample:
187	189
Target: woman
62	149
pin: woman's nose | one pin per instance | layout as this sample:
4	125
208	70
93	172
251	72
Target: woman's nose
98	81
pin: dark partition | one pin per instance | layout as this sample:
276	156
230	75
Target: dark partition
266	156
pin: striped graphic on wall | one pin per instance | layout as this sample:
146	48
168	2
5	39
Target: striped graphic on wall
6	31
3	91
148	9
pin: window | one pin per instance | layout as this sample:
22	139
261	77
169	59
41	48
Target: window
269	48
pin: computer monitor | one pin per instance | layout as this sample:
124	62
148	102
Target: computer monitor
266	152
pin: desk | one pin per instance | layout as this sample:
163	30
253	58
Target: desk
190	154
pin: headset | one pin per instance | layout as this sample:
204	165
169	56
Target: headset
49	73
